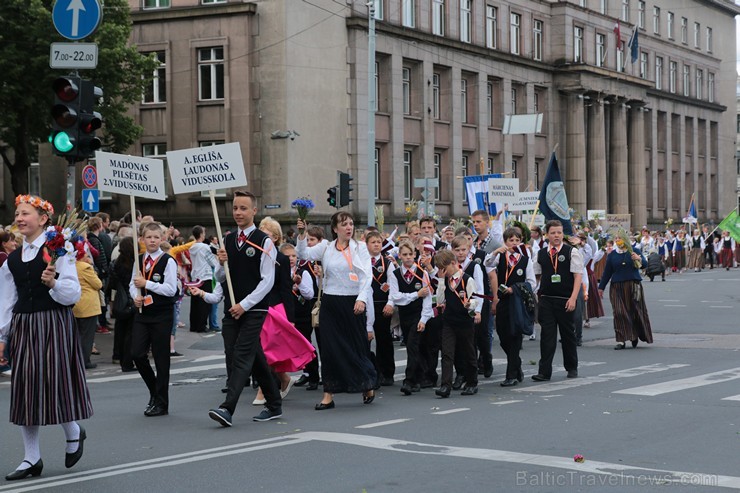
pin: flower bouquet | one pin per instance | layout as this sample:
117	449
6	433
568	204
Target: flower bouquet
379	217
622	241
412	209
63	236
302	205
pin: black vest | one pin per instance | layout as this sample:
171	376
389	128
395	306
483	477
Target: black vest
380	277
564	288
455	313
514	277
727	243
411	313
244	266
282	289
33	296
303	306
696	242
470	270
162	304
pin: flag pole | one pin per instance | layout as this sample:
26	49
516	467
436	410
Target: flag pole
534	214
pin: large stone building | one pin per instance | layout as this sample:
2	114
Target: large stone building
636	137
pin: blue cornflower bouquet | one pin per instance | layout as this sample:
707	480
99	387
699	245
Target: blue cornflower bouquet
302	205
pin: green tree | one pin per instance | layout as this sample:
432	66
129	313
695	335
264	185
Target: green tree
26	32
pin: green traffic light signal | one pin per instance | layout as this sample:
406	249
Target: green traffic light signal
332	199
62	142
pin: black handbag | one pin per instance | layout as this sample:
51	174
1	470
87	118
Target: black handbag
123	306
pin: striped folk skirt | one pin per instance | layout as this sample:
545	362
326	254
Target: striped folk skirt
679	259
696	258
48	383
631	321
594	308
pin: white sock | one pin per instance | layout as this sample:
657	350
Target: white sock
31	445
72	432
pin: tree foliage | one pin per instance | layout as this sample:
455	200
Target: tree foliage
26	32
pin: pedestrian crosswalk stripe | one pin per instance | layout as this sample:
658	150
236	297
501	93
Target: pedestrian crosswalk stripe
684	383
383	423
732	398
452	411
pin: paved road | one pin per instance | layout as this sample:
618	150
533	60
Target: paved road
648	419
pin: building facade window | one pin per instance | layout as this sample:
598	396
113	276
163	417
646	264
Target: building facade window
658	72
376	163
643	65
710	87
513	168
604	6
710	42
407	175
684	30
466	21
211	73
408	13
156	4
378	9
672	69
464	100
686	80
435	96
406	89
464	172
158	151
620	57
489	103
670	22
376	85
656	20
537	39
437	174
699	84
641	14
206	2
491	27
156	90
219	192
514	31
697	34
438	17
625	10
578	44
600	49
513	100
536	102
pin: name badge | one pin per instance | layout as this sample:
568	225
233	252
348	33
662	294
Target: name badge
148	300
385	287
353	277
555	278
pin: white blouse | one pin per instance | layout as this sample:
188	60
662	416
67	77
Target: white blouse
66	290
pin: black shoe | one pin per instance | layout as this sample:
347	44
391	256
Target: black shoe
221	416
255	385
572	374
426	384
321	406
312	386
34	470
540	378
225	390
520	375
127	369
302	380
443	391
72	459
406	389
268	414
150	405
416	388
90	366
156	410
509	382
480	370
488	370
472	390
579	343
368	397
634	343
175	354
620	345
386	382
458	383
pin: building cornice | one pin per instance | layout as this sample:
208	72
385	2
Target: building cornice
722	5
193	12
686	100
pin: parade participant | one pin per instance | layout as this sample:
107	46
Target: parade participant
631	320
679	252
251	257
8	245
594	307
345	355
655	265
382	270
459	312
429	228
726	247
203	263
559	271
696	251
488	232
121	270
410	291
472	265
153	290
708	238
87	309
669	243
36	298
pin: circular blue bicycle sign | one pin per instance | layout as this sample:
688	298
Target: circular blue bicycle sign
76	19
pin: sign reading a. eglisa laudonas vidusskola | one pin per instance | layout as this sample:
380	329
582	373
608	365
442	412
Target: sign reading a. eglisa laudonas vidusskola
130	175
206	168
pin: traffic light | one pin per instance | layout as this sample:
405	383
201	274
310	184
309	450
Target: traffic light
332	199
344	189
65	116
89	121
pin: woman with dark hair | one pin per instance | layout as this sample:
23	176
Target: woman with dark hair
121	270
7	246
345	353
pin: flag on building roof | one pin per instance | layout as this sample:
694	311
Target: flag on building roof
553	201
634	46
476	188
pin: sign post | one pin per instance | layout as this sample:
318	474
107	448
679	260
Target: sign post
209	168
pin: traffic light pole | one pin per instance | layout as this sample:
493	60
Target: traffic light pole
371	114
70	184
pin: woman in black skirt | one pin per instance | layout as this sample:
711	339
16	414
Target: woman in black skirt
345	353
48	383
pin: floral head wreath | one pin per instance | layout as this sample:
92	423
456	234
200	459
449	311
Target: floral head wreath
35	201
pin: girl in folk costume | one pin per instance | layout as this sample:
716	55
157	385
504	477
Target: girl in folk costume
599	261
669	242
44	344
594	307
631	322
737	254
696	251
679	252
725	246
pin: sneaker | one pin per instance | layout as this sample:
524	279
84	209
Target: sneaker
220	415
267	414
533	337
102	330
175	354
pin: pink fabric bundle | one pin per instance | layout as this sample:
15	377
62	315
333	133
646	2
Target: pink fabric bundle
285	348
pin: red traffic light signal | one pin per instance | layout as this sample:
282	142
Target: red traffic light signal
66	89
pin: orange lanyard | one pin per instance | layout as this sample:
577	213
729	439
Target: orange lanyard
347	256
382	264
422	279
464	298
554	264
511	268
151	269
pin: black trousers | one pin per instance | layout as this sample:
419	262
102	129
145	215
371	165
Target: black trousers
460	336
709	256
415	364
200	311
311	369
244	357
431	344
553	319
385	363
86	328
122	340
510	343
155	334
483	338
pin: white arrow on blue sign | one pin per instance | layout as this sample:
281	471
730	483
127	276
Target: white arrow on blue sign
91	200
76	19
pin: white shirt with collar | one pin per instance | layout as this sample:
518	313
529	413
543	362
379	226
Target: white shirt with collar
389	269
66	290
402	299
305	287
576	260
477	276
167	288
529	271
470	289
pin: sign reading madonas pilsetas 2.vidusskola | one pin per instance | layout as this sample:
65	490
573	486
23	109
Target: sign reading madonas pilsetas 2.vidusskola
130	175
206	168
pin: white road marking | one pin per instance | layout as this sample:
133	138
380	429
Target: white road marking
452	411
684	383
720	306
675	306
503	403
670	301
135	375
208	358
383	423
604	377
732	398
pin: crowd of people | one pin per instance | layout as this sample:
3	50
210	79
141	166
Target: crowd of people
293	301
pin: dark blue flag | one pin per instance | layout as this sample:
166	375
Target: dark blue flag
553	201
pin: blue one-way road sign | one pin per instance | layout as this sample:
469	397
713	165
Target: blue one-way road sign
76	19
91	200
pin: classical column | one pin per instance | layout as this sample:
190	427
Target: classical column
618	175
636	156
596	158
575	157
